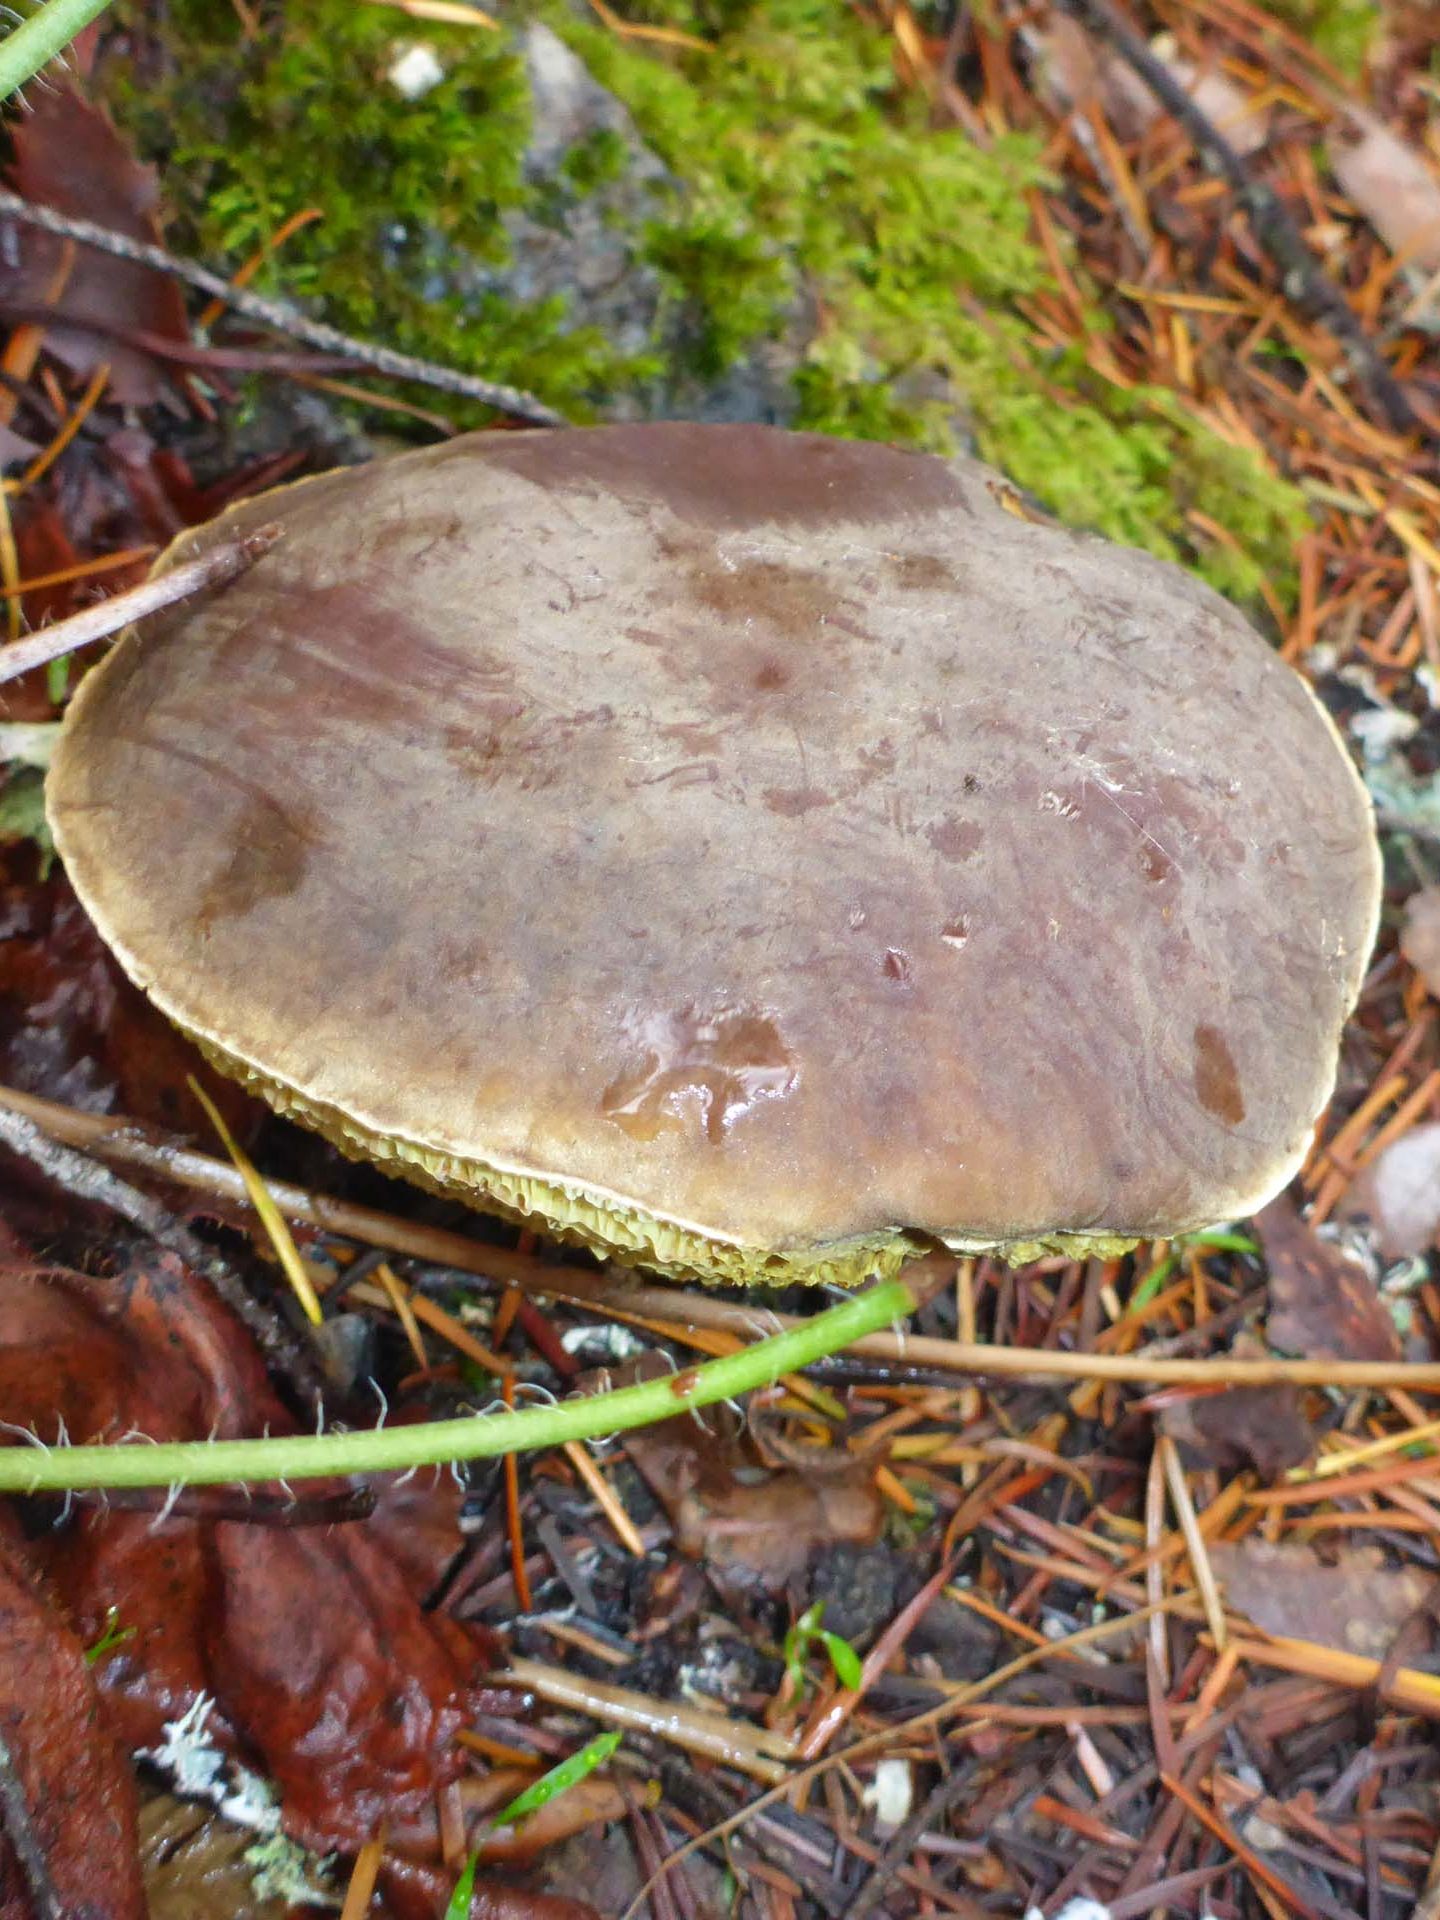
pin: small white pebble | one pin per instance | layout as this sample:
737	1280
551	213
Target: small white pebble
1378	729
891	1793
1074	1910
415	70
608	1343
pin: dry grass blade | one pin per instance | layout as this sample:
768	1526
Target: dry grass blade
1194	1539
271	1217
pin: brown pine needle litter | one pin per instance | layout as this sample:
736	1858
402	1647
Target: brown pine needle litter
1143	1603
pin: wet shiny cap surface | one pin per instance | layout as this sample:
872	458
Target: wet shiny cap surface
759	833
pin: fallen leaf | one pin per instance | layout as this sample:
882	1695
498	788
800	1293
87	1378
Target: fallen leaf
68	155
1398	1194
1259	1427
1391	184
311	1640
1356	1604
195	1867
1420	935
752	1526
74	1029
77	1784
1323	1305
423	1891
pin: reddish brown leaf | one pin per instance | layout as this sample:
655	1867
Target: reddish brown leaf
312	1641
1323	1305
78	1788
588	1803
68	155
420	1892
74	1029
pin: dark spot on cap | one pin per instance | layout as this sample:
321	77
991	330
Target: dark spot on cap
270	851
896	965
1217	1083
953	839
793	801
922	572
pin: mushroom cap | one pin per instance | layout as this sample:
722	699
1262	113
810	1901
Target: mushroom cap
747	850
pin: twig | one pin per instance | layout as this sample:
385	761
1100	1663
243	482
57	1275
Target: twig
25	1842
82	629
82	1177
119	1139
281	315
1194	1540
754	1750
1301	279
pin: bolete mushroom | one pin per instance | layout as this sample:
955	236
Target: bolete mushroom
753	853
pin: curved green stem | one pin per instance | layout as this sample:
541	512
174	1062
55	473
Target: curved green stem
36	1469
37	41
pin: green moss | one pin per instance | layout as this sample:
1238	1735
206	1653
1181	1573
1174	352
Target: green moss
1343	30
812	203
812	183
251	131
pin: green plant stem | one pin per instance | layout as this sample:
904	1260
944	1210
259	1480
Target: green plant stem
35	44
36	1469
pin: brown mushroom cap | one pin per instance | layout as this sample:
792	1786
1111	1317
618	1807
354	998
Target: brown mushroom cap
745	850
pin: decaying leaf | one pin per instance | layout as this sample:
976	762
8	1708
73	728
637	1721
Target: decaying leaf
68	155
195	1867
1391	184
1420	935
1259	1427
314	1646
1398	1194
1323	1305
588	1803
755	1527
76	1781
73	1029
1354	1603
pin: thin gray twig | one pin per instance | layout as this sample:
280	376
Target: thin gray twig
281	315
87	1180
210	569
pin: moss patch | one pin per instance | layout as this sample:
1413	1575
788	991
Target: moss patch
1343	30
811	203
251	131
